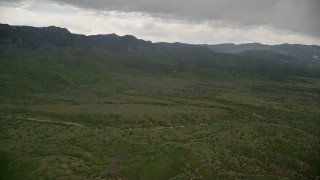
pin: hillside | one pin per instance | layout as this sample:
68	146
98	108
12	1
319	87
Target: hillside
305	53
118	107
32	37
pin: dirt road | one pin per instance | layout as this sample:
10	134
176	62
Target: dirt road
49	121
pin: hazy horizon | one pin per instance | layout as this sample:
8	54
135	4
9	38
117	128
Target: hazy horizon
162	41
202	22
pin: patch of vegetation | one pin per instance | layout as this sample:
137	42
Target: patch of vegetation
148	116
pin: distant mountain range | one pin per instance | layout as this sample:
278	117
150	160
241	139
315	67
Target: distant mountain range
26	36
36	59
45	37
295	51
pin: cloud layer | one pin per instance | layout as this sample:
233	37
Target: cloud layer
293	15
201	21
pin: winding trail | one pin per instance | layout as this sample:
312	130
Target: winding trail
161	127
49	121
81	125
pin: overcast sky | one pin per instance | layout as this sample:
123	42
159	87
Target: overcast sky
190	21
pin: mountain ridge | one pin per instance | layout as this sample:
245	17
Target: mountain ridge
52	36
28	36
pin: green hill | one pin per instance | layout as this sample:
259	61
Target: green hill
111	107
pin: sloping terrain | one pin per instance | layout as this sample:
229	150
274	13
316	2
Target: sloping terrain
305	53
152	110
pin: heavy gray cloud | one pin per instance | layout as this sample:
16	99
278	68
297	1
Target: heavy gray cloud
202	21
301	16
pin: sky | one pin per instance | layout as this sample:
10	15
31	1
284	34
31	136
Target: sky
188	21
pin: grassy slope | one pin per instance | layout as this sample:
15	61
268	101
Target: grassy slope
176	116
